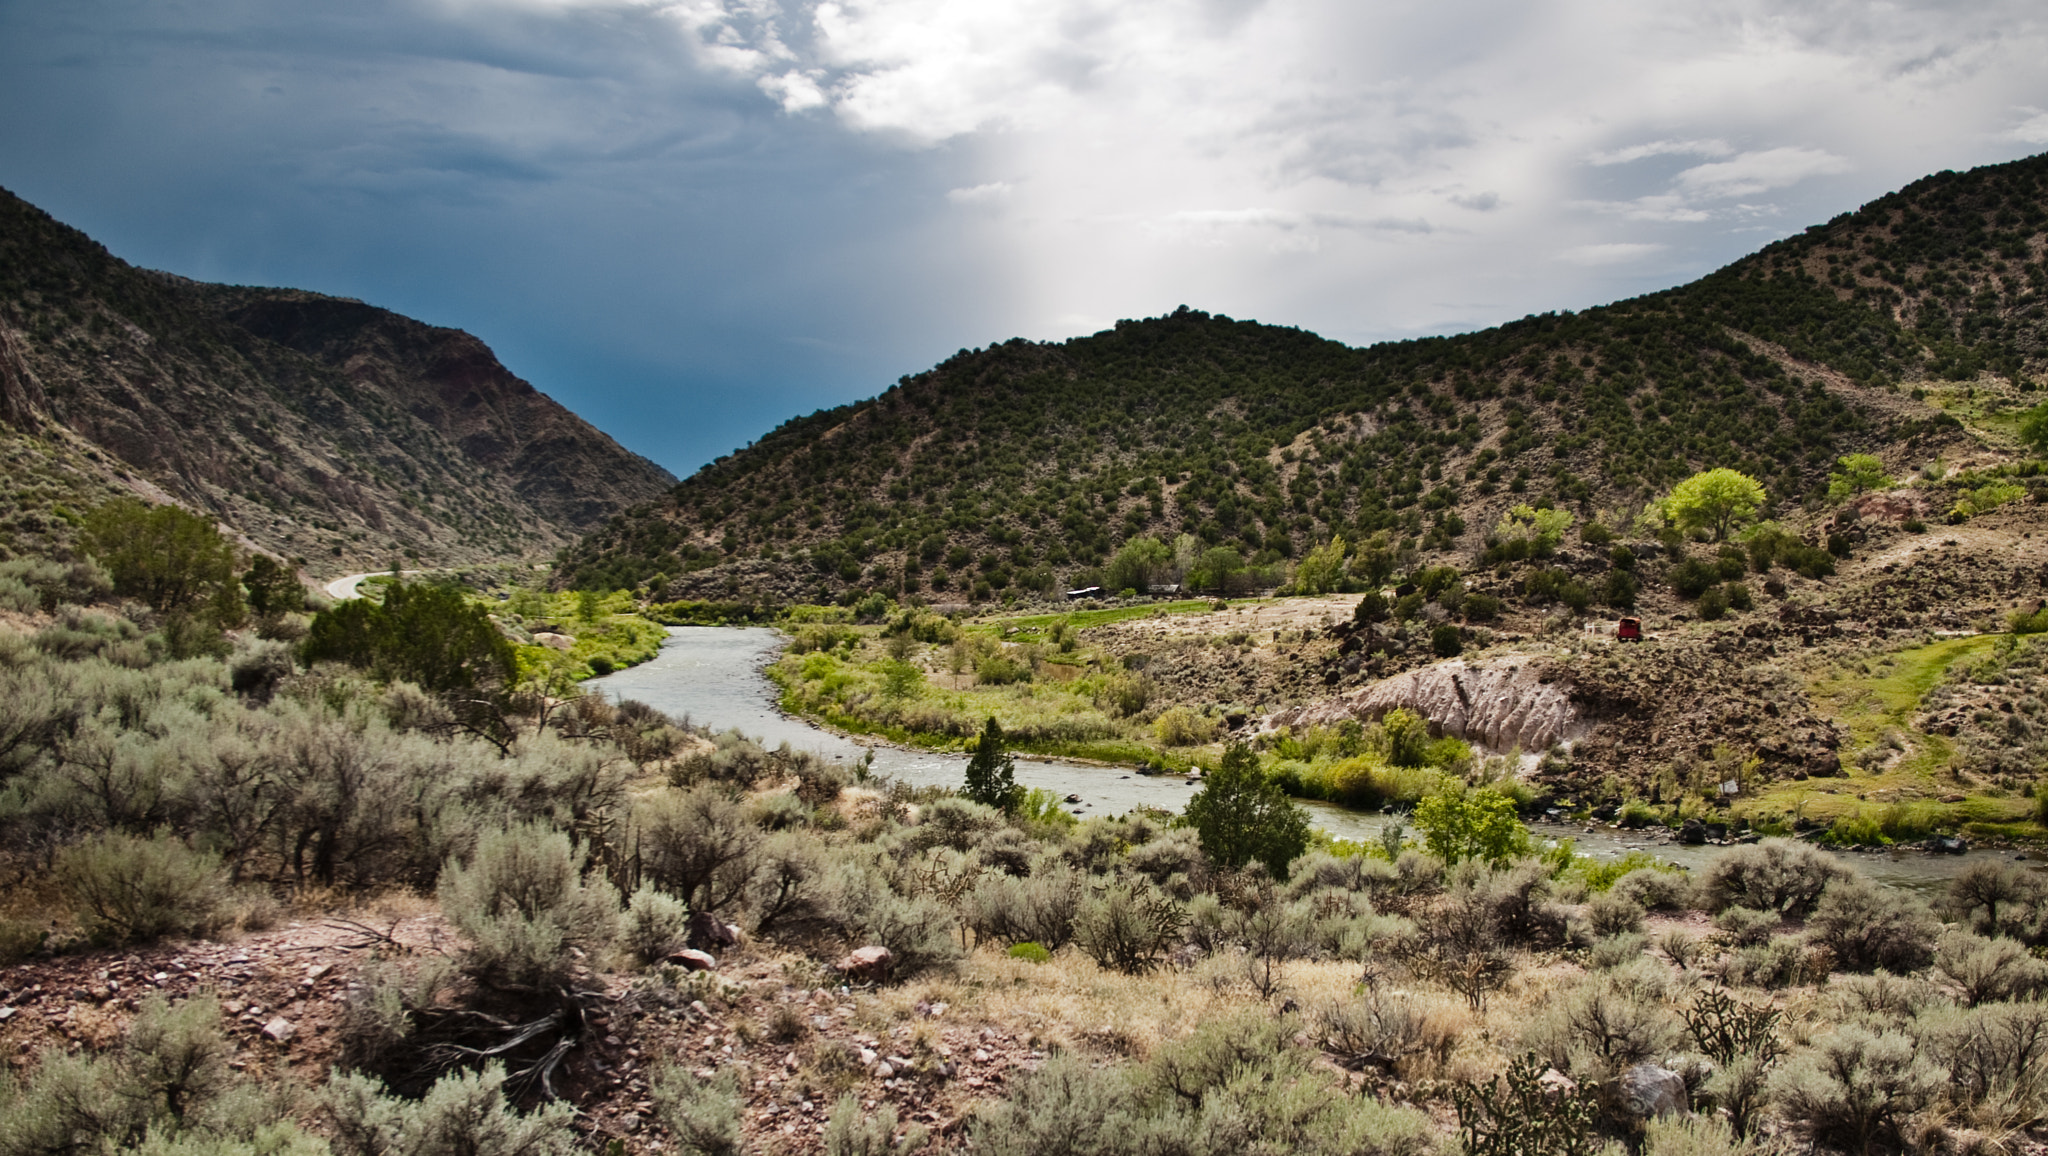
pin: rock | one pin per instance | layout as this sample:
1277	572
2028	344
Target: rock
867	1057
883	1071
869	964
694	960
1653	1092
279	1030
1693	833
1556	1083
706	933
1948	844
554	641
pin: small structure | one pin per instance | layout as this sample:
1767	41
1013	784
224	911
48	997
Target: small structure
1086	592
1629	630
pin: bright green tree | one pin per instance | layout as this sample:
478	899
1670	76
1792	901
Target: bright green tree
1542	529
1715	501
1459	823
1241	814
1135	564
1215	569
2034	429
1323	569
1854	474
164	555
992	772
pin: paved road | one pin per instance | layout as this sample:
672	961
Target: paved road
345	587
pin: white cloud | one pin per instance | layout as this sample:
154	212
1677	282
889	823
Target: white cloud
994	192
1760	172
794	91
1661	148
1612	253
2033	130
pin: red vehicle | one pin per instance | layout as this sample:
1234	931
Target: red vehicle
1629	630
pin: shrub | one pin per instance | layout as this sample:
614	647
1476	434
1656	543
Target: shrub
1855	1087
464	1112
703	1116
130	890
848	1133
1444	641
1601	1027
1781	962
1620	590
1713	603
1242	815
1995	1052
1375	1032
1617	950
1039	909
1868	927
523	904
1746	926
1657	888
1611	914
1776	873
2000	899
1029	952
918	930
699	845
1987	970
1180	727
1127	924
1693	577
656	925
1691	1135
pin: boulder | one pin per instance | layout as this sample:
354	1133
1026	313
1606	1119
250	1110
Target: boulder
279	1030
554	641
1653	1092
694	960
707	933
1692	833
869	964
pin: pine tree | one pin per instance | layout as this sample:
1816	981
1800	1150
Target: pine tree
992	773
1241	814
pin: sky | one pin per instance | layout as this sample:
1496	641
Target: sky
690	220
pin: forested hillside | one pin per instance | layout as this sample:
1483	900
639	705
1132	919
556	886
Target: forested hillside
1024	464
318	427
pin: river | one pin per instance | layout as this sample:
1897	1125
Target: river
713	676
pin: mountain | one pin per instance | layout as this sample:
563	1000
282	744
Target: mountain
318	427
1026	463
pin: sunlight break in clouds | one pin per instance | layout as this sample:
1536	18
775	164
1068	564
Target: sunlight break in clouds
1300	159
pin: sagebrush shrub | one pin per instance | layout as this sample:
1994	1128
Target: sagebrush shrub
703	1116
655	926
849	1133
463	1114
523	903
1747	926
1601	1027
1610	914
1995	1052
698	844
1039	908
1778	874
1868	926
1127	925
131	889
1854	1088
1999	899
1989	969
1655	889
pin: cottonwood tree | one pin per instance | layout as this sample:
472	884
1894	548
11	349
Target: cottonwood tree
1715	501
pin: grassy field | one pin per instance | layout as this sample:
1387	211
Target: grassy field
1895	775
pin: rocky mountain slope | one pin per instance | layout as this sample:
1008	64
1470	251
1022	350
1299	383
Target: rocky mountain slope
318	427
1018	466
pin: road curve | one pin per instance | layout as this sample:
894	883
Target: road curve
345	587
